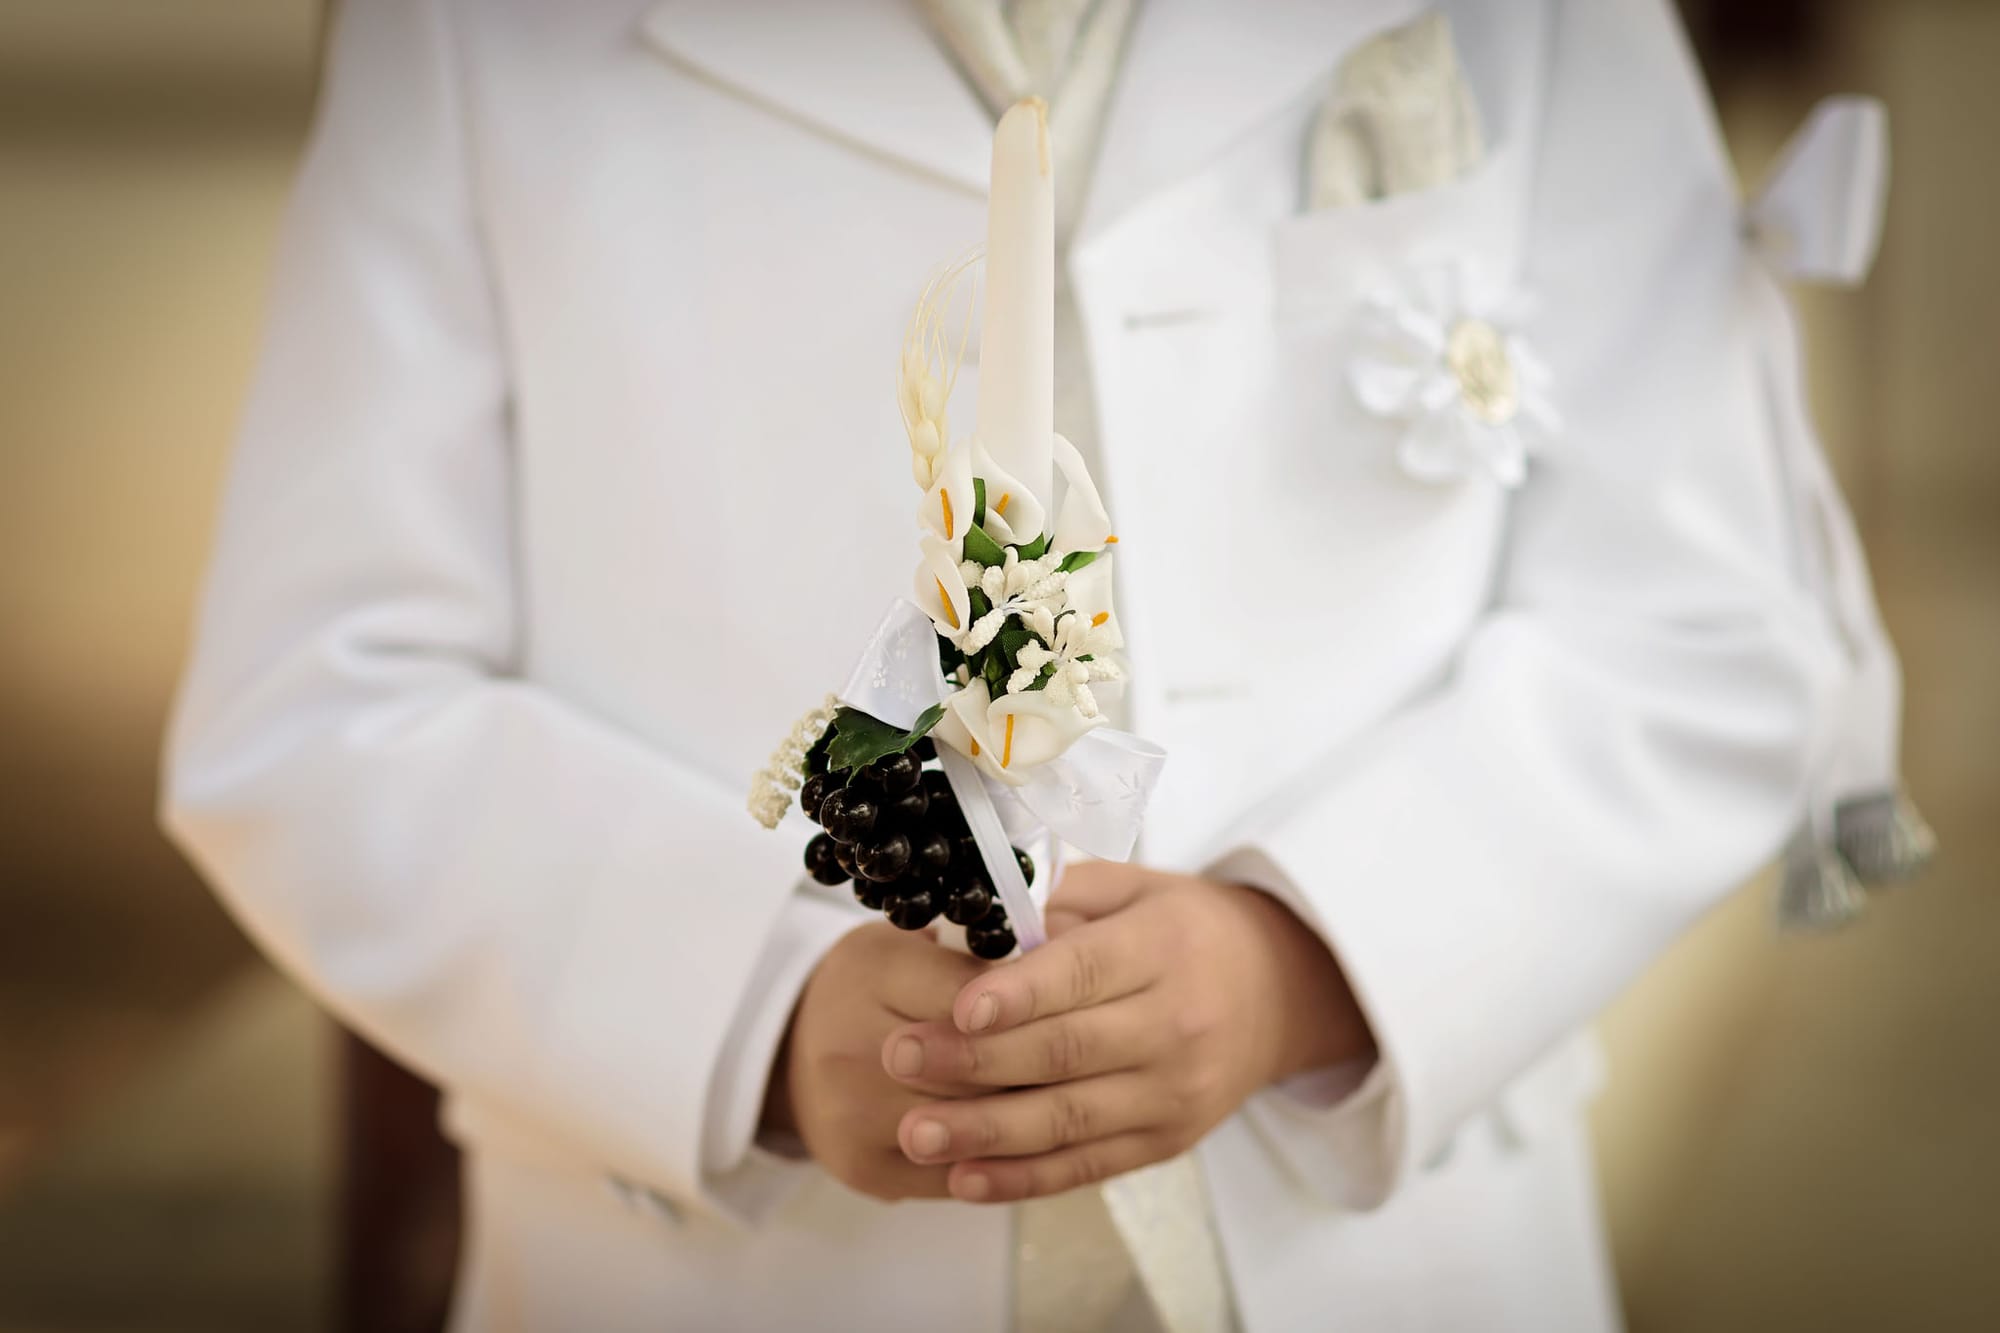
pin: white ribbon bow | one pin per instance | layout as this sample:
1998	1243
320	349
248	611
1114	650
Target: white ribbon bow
1093	796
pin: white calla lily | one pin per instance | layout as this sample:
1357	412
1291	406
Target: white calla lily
1030	729
1088	591
940	587
1082	522
964	727
1015	515
1007	738
947	508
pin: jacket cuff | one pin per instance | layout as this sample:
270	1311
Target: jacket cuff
747	1179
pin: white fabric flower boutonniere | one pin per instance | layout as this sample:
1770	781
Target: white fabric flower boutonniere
1470	392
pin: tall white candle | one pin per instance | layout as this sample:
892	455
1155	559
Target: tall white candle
1017	346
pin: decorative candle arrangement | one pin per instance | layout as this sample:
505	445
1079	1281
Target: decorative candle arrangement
992	670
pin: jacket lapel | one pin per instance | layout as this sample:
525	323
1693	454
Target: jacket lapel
869	74
865	73
1200	73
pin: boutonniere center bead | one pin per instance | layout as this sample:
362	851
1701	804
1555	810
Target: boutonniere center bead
1477	355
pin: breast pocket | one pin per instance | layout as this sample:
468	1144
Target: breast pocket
1324	263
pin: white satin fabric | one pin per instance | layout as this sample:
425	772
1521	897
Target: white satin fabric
571	473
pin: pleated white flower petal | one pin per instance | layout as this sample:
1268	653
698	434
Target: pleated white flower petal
1502	450
1385	388
1433	448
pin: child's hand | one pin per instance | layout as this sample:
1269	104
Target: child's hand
828	1085
1161	1004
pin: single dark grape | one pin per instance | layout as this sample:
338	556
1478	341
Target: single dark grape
1027	864
989	944
925	749
849	814
930	853
898	772
913	911
906	809
939	787
908	884
884	860
823	861
813	794
843	856
963	876
949	822
869	895
966	862
968	905
996	916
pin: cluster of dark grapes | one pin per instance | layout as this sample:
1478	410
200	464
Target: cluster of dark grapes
895	829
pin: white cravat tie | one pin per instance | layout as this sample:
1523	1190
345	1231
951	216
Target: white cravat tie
1141	1255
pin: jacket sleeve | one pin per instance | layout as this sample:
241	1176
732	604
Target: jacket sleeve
489	881
1626	734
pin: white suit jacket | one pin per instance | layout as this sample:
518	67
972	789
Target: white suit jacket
572	473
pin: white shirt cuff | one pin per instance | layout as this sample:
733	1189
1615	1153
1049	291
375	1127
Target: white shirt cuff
1338	1127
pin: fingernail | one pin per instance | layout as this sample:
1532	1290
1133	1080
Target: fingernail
985	1010
906	1058
972	1188
928	1138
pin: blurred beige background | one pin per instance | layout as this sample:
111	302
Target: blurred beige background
1799	1134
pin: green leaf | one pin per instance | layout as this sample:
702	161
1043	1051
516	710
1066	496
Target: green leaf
1076	560
949	657
995	672
1012	640
983	549
859	739
978	501
979	601
1035	549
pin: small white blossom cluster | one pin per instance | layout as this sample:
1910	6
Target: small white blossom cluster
1016	587
1079	651
771	789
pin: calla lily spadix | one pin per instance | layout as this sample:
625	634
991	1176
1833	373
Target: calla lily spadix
940	588
948	506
